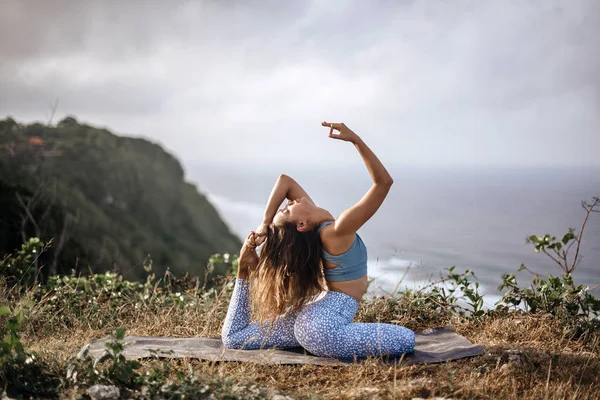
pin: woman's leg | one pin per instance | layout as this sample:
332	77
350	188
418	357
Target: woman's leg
238	333
325	329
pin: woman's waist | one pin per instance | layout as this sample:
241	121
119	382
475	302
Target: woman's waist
355	288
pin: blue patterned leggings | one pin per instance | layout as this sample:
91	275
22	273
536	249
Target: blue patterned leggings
323	327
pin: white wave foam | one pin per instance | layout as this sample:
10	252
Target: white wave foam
396	274
392	262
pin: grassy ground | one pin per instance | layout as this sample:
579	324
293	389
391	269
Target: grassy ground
529	356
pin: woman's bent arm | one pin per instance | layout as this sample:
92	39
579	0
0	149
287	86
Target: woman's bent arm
285	188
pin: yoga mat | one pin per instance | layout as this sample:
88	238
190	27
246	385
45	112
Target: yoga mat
432	346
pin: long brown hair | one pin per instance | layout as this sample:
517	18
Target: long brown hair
289	271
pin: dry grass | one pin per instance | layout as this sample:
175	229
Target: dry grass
528	357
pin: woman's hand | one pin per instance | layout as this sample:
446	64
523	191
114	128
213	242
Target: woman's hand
346	134
260	234
248	258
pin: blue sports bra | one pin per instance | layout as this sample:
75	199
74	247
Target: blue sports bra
351	265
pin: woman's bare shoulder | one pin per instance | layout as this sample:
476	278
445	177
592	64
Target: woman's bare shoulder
333	243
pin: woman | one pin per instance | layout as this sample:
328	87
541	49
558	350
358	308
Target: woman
306	249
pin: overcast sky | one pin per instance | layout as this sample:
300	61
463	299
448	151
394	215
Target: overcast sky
506	82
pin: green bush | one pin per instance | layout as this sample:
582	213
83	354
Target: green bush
559	296
19	269
21	373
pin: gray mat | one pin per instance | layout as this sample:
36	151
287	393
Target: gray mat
432	346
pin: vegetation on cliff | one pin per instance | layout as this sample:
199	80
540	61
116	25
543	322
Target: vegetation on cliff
106	201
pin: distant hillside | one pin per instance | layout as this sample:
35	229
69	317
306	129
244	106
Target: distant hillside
107	201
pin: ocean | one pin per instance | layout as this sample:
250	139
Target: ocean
472	218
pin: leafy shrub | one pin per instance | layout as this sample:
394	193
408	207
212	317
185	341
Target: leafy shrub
117	370
21	373
559	296
11	347
18	269
454	294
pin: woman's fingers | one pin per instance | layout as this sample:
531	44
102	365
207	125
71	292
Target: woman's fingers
255	239
344	133
334	126
260	240
331	125
251	239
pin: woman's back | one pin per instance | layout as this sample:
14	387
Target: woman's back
345	267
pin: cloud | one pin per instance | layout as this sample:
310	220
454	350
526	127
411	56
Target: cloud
248	82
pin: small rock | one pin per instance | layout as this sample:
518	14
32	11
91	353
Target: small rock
515	360
369	390
505	368
431	398
513	352
273	394
103	392
511	358
281	397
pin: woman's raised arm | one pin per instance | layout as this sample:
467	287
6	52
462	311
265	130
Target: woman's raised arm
285	188
354	217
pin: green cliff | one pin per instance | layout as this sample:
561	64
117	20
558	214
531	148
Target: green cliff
107	202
